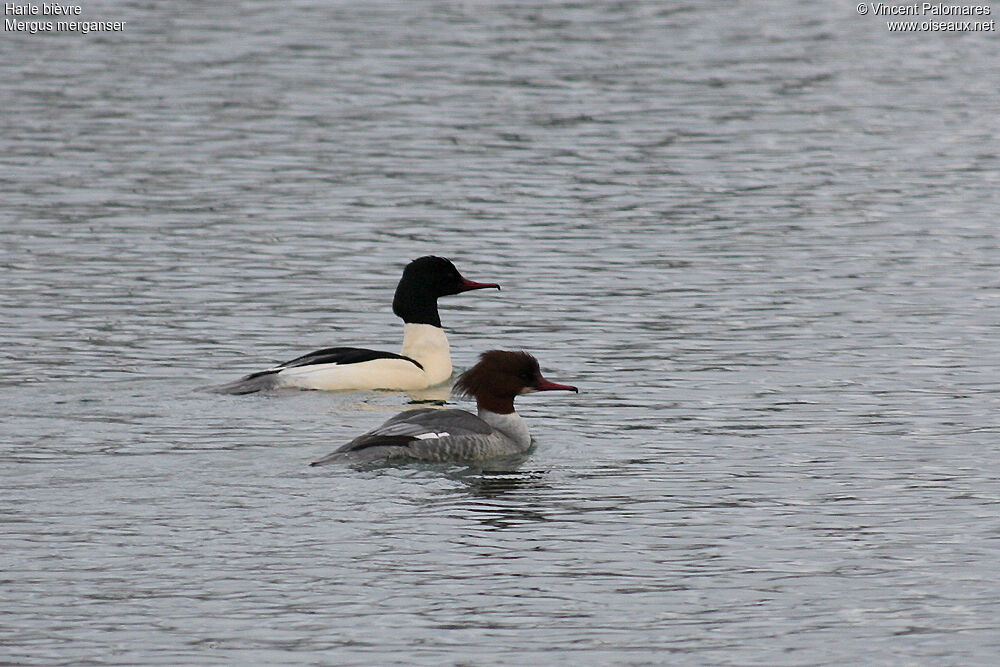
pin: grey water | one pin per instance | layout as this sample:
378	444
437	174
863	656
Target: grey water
761	237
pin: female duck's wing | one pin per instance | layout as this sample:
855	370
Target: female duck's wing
410	428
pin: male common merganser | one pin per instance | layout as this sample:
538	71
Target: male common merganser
425	360
428	434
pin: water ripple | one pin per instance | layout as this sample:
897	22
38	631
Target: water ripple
759	236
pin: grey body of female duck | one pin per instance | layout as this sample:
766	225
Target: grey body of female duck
428	434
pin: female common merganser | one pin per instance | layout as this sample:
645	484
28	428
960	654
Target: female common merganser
428	434
424	361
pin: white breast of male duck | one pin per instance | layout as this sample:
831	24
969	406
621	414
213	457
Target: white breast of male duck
425	361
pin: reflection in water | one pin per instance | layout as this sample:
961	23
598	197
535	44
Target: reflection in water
500	479
431	397
502	496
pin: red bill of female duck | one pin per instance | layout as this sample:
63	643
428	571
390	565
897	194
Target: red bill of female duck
429	434
424	361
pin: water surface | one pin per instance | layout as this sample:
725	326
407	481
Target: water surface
760	237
